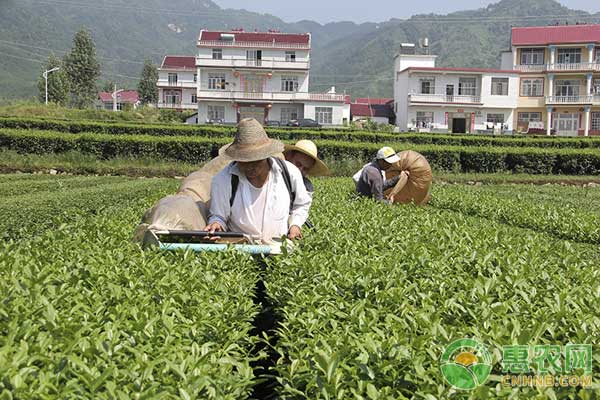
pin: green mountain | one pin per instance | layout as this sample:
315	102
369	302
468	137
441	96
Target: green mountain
357	58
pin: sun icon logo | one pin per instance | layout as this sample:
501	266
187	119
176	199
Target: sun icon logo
466	364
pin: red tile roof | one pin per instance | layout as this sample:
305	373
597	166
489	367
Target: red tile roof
367	100
545	35
478	70
126	96
268	37
373	110
179	62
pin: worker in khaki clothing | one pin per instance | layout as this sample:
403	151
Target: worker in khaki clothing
370	180
258	194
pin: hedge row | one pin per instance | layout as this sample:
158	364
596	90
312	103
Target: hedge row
197	150
296	134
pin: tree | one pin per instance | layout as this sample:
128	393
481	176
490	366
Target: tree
108	86
147	89
83	69
58	82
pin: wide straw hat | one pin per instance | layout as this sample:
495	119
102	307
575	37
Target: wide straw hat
251	143
310	149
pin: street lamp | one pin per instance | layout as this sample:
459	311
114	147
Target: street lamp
45	74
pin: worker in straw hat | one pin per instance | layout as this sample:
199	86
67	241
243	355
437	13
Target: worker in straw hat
258	194
370	180
303	155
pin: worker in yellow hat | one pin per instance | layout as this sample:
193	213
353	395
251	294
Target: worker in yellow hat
304	156
370	180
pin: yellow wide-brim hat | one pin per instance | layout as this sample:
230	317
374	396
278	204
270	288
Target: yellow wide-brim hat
310	149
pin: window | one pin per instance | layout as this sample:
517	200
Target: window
427	85
194	99
596	86
499	86
532	87
216	112
597	55
324	115
495	118
172	97
524	118
569	56
467	86
195	77
172	79
288	114
289	83
217	54
216	81
596	121
290	56
532	56
424	119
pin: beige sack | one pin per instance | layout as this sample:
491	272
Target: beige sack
418	185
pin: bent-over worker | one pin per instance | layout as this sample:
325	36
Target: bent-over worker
370	180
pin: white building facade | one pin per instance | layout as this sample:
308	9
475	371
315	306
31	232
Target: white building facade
458	100
261	75
177	83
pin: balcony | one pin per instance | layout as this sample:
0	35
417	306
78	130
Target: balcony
593	66
244	63
574	100
270	96
443	98
268	45
178	84
178	106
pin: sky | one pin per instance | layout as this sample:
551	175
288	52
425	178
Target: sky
324	11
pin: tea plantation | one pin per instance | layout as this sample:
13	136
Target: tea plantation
363	309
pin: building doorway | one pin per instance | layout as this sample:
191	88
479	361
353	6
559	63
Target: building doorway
459	125
566	124
449	93
258	113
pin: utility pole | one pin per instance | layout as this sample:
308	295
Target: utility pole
114	96
45	75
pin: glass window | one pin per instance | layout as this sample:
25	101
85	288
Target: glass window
217	54
195	77
532	56
495	118
467	86
288	114
427	85
499	86
289	83
597	54
596	121
596	86
526	117
324	115
172	79
569	56
424	119
532	87
290	56
254	57
216	112
194	99
216	81
172	97
566	88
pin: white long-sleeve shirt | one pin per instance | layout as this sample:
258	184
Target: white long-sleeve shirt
262	212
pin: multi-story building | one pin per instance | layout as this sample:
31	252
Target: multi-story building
459	100
559	88
177	83
261	75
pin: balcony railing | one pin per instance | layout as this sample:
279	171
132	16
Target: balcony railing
234	43
178	84
586	99
270	96
242	62
443	98
556	67
178	105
